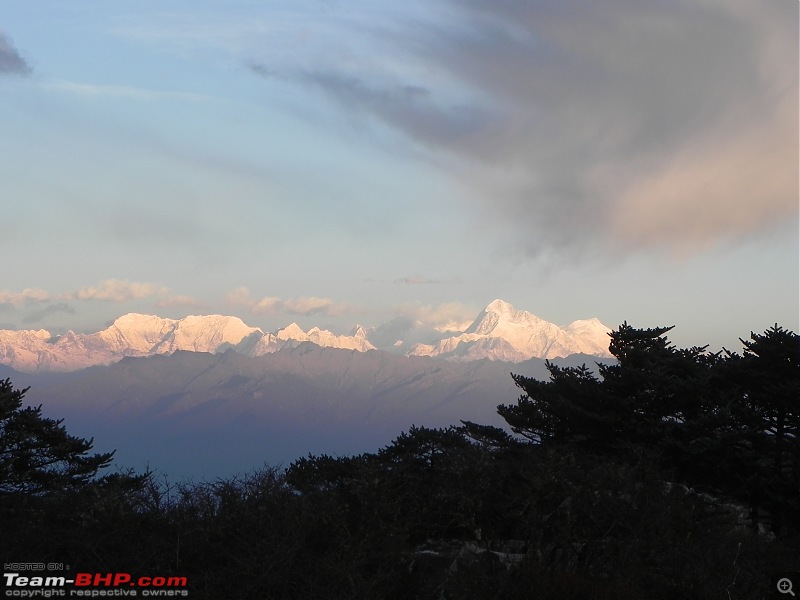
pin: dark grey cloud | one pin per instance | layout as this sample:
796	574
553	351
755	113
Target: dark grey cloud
666	124
629	123
637	123
260	69
409	108
420	280
590	78
11	61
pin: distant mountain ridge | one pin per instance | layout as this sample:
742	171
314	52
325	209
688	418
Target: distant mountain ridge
500	332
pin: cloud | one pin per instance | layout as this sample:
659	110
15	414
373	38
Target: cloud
26	296
121	91
34	297
655	125
730	184
313	305
449	316
240	297
308	305
11	62
410	108
109	290
261	70
419	280
50	309
116	290
416	280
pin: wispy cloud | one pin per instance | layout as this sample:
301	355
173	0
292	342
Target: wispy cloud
312	305
117	290
120	91
307	305
419	280
412	109
26	296
449	316
46	311
11	61
109	290
260	69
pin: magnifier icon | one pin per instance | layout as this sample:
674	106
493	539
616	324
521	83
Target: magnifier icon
785	586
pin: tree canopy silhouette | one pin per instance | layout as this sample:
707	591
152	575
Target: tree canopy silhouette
724	422
37	455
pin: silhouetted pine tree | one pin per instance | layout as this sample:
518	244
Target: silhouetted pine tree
766	382
37	455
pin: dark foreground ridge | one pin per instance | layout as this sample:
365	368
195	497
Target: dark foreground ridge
672	473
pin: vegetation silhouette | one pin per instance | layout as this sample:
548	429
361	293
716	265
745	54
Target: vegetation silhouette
670	473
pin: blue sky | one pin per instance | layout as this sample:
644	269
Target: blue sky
335	163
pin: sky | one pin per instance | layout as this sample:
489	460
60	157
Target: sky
338	163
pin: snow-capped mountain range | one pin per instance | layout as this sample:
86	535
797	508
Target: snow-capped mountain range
500	332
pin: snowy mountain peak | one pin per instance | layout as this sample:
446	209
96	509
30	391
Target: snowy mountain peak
136	333
585	325
499	306
207	333
359	332
592	335
500	318
215	321
523	336
291	332
145	334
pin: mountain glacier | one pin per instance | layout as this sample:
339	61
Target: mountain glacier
500	332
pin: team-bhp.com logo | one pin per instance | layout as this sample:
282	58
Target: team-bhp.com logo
92	585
